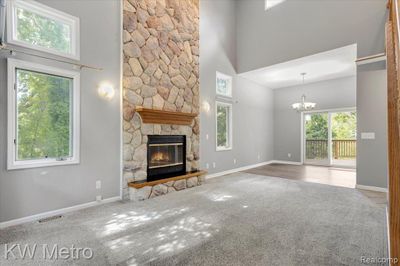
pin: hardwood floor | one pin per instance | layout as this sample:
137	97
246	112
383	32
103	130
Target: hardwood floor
333	176
315	174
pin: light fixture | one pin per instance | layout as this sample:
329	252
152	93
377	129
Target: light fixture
205	106
106	90
303	105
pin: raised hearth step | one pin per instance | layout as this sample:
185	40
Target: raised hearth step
144	183
143	190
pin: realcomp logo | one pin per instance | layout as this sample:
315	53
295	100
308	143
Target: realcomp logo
379	261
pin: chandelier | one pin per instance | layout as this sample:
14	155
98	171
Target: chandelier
303	105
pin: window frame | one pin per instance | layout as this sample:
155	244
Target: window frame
227	77
229	130
47	12
12	162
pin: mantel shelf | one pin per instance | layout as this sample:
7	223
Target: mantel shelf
153	116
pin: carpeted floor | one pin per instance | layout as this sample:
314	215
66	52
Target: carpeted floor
239	219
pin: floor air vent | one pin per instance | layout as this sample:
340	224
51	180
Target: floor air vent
52	218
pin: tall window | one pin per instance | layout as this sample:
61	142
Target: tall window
40	27
224	126
43	115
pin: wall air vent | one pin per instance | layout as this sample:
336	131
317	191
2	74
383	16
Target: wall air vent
48	219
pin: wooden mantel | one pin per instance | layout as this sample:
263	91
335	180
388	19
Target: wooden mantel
152	116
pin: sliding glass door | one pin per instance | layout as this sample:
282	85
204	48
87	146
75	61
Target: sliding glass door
317	138
330	138
344	138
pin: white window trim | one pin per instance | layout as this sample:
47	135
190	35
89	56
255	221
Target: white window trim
230	137
219	74
12	163
48	12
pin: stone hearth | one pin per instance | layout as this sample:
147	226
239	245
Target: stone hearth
142	191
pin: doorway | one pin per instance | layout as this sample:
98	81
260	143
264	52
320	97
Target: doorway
329	138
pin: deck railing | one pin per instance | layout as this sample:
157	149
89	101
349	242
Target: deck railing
341	149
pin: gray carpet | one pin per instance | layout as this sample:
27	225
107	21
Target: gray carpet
239	219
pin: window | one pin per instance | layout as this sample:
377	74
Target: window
224	85
39	27
43	115
224	126
271	3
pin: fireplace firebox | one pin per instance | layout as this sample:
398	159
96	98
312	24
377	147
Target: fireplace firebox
166	156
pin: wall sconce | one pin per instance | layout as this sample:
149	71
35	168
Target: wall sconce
205	106
106	91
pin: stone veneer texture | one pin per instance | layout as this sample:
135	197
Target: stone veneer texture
161	71
149	192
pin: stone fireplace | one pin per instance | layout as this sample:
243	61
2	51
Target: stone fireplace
160	72
165	156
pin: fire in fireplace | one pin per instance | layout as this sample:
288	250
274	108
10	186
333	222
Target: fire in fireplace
166	156
159	157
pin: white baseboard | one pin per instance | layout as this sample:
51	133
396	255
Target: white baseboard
39	216
371	188
286	162
231	171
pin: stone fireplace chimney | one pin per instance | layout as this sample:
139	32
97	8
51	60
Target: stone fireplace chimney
161	71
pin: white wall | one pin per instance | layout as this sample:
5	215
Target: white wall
253	111
330	94
33	191
298	28
372	155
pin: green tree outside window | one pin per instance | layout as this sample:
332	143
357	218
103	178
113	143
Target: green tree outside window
43	115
